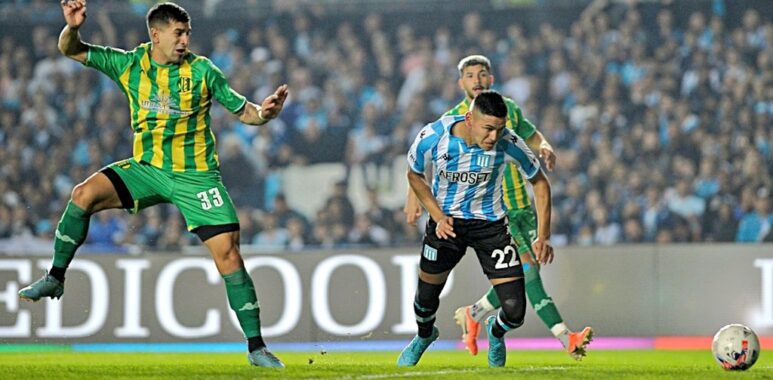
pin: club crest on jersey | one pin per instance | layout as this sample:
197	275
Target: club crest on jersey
483	161
184	84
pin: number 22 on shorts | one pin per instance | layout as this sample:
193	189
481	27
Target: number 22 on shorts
501	256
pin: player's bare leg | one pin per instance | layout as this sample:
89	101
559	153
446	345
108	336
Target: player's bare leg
241	294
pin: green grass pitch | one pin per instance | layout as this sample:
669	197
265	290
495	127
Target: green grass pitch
374	365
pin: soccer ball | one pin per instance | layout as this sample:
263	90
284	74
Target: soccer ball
736	347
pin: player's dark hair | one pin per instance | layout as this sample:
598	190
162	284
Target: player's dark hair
490	102
473	60
164	13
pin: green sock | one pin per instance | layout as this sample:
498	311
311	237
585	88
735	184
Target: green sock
243	301
70	234
539	299
492	298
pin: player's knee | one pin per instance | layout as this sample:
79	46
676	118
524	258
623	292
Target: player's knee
512	295
227	256
514	310
232	255
82	197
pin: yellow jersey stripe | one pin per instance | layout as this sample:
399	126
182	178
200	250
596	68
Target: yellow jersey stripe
162	81
181	127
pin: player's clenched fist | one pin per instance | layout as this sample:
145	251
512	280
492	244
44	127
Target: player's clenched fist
74	12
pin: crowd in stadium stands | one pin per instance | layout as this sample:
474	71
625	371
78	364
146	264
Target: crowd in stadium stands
661	121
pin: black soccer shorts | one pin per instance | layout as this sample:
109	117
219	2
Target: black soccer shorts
490	240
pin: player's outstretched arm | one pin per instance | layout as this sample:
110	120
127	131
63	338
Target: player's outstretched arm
70	43
543	203
270	108
540	145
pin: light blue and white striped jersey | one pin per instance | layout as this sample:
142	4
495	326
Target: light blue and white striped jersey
467	181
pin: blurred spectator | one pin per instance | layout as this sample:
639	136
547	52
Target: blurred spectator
238	173
724	224
632	231
284	213
296	235
607	232
271	235
367	234
339	206
756	224
106	230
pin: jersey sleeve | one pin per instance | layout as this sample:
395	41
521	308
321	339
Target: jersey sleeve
109	60
420	153
222	91
520	124
516	151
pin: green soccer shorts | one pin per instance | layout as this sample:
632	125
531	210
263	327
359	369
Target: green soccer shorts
201	197
523	228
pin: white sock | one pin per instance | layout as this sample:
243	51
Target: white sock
480	309
561	331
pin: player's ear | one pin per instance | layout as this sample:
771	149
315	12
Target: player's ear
492	80
468	118
461	85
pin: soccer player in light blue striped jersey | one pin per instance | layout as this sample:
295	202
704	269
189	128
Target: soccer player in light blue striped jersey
469	154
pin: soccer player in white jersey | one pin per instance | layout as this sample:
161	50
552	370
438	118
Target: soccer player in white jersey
469	154
475	76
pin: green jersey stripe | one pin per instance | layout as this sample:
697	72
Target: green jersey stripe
209	139
189	143
186	94
173	76
150	116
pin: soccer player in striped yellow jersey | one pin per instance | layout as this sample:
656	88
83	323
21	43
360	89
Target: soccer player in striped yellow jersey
474	77
170	92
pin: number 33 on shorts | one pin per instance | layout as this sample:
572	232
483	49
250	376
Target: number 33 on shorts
210	198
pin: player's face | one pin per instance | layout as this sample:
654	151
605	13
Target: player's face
171	40
485	130
474	80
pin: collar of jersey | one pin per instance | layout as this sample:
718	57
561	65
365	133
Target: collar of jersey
463	145
148	47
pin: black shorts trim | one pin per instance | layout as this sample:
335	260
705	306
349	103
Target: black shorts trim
124	195
207	232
